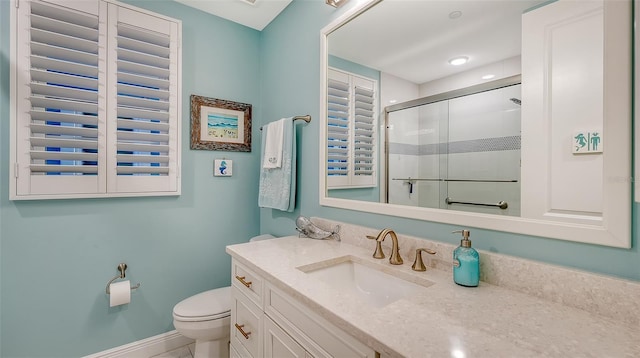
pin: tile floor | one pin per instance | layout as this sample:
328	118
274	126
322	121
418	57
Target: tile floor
182	352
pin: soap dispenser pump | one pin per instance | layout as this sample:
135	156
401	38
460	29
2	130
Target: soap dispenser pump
466	262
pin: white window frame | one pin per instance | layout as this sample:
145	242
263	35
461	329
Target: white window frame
351	179
156	173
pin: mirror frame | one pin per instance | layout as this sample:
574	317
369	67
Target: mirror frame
636	115
598	235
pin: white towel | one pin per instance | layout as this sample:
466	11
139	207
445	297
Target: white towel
278	186
273	146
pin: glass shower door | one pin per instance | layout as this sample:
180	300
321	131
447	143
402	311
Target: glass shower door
483	155
460	154
414	161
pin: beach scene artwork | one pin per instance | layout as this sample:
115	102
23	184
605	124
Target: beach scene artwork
218	124
222	125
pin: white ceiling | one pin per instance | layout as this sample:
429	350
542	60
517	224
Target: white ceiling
257	15
414	40
410	39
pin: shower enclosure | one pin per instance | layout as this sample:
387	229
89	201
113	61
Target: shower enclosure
458	150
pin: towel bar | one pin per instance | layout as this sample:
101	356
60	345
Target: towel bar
306	118
459	180
501	204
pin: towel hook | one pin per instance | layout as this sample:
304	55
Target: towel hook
122	267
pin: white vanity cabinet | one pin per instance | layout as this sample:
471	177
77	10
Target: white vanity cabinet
267	322
246	325
278	344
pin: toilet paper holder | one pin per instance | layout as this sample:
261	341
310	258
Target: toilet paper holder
122	268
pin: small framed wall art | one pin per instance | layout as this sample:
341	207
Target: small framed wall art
587	142
223	167
218	124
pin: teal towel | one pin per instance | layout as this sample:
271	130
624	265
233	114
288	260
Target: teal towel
278	185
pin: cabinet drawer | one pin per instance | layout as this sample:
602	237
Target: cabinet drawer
246	323
247	282
317	335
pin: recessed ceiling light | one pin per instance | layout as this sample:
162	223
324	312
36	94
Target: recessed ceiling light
392	101
455	14
457	61
488	77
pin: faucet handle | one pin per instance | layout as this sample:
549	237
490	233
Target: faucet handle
378	254
418	265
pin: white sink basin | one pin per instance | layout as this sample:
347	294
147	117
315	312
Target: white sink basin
373	286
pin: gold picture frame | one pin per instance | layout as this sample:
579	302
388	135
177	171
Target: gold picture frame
218	124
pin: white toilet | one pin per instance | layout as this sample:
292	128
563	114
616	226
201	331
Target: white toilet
205	317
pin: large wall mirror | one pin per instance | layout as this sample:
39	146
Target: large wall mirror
505	115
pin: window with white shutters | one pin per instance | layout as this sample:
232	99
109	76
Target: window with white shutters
351	131
338	126
95	87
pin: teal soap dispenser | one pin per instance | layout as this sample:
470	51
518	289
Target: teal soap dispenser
466	262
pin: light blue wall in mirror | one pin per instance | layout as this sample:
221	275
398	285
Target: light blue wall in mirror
57	255
286	78
356	68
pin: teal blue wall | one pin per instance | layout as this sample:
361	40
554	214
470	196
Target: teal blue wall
57	255
291	57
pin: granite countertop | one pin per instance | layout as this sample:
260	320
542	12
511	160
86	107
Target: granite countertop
443	319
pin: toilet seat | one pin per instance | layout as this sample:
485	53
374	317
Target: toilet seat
209	305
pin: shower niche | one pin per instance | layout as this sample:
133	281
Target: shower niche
458	150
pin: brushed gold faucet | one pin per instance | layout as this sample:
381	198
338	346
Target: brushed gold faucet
395	258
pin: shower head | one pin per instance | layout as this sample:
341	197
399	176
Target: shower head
516	101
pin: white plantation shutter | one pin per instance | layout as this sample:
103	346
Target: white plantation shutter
58	100
69	109
351	130
364	132
338	128
145	112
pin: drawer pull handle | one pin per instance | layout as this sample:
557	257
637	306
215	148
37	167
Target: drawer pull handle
246	283
245	334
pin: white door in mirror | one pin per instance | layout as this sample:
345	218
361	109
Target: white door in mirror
576	76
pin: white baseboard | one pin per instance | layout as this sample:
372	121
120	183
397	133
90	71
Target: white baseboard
147	347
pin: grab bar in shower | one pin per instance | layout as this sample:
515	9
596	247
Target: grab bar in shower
501	204
459	180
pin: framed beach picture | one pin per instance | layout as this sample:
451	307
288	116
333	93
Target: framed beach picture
218	124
